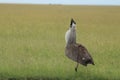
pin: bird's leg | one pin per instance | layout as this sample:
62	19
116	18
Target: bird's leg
76	67
77	63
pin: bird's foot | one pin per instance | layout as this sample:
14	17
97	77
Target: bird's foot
76	69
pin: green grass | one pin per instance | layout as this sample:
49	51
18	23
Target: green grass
32	41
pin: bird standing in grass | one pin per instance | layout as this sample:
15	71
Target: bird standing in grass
75	51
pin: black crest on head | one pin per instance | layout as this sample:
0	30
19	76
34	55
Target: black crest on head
72	21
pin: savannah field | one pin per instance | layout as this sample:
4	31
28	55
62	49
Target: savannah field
32	42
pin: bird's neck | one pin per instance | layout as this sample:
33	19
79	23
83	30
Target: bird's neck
70	36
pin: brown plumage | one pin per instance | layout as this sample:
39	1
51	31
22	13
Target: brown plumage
75	51
79	54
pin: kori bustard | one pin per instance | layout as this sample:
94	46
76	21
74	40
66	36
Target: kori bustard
76	51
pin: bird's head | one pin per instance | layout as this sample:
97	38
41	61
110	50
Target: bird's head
72	24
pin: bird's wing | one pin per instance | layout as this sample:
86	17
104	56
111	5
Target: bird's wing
72	52
84	56
78	53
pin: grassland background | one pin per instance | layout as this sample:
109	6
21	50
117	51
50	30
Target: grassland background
32	41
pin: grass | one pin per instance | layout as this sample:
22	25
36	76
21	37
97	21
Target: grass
32	42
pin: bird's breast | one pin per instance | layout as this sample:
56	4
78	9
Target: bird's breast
70	36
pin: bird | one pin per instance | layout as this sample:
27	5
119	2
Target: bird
75	51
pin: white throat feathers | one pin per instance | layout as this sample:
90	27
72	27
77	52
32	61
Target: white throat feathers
70	35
